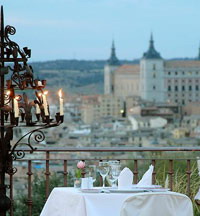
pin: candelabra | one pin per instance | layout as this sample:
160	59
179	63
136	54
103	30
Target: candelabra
16	110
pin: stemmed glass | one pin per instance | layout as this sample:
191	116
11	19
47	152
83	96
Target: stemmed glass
111	180
92	172
115	171
103	170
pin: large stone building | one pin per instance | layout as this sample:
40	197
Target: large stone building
154	78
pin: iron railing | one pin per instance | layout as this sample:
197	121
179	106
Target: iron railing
61	160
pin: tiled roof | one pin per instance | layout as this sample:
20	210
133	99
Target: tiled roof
182	64
129	69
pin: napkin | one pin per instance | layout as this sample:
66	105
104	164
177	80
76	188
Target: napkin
147	177
125	179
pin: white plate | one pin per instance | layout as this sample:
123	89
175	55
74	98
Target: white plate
134	190
159	189
147	186
93	190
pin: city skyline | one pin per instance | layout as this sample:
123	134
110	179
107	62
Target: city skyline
75	29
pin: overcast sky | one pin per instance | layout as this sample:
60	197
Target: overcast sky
84	29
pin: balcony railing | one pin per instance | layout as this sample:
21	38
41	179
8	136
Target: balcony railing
62	160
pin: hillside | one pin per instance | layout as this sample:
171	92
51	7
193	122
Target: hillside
74	76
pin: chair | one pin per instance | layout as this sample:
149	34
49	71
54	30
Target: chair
157	204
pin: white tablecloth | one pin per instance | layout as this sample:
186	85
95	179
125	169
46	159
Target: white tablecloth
71	202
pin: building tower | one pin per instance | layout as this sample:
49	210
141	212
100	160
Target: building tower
152	75
109	69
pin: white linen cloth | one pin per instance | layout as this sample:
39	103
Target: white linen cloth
157	204
125	179
70	202
146	178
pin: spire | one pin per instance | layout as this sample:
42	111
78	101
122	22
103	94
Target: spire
113	60
151	52
113	49
151	42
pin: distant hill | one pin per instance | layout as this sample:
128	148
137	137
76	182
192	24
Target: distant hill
76	76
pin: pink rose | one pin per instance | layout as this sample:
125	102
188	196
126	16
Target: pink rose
81	164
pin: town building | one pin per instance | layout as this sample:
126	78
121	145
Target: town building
154	78
102	106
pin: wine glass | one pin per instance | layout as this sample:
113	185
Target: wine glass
115	171
114	162
103	170
111	180
92	172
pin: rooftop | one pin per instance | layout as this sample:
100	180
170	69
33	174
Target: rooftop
129	69
182	63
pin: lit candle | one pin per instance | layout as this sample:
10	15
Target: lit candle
44	98
40	83
37	109
6	101
61	102
16	107
36	105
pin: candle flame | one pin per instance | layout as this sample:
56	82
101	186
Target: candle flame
17	97
60	93
45	92
8	92
39	94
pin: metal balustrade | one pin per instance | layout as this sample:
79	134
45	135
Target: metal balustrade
65	161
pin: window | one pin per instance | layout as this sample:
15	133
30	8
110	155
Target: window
154	75
183	88
183	102
197	88
169	73
154	87
176	88
176	73
190	88
169	88
183	72
154	66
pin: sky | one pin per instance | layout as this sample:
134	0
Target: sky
84	29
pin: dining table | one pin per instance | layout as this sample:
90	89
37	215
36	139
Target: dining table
66	201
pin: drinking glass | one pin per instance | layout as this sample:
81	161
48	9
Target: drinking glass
114	162
115	171
92	172
103	170
111	180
